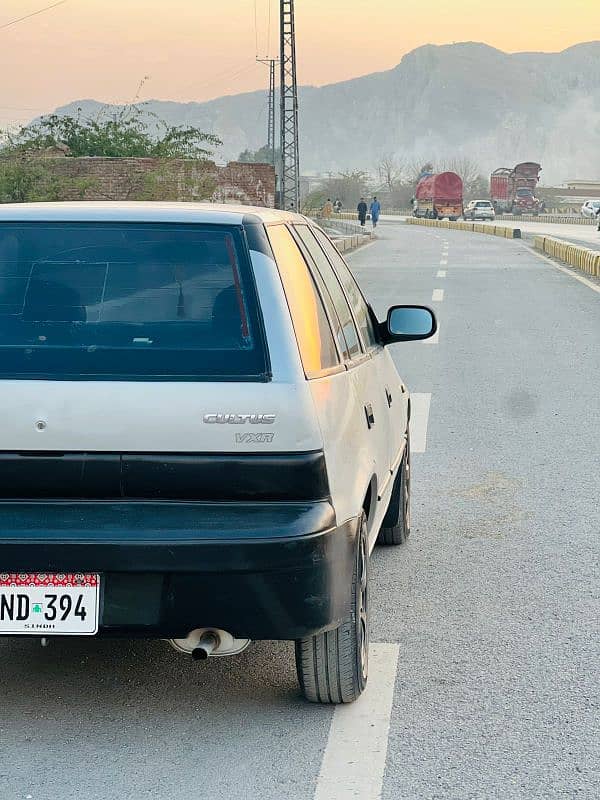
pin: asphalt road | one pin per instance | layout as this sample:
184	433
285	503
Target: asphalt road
493	603
583	235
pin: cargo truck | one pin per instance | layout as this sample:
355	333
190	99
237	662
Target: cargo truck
438	196
512	191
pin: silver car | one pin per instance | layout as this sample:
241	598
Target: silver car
590	208
479	209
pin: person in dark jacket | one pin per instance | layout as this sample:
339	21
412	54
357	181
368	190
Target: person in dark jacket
598	215
362	211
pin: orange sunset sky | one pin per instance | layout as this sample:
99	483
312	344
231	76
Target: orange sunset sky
199	49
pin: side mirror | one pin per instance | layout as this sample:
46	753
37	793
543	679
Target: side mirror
408	324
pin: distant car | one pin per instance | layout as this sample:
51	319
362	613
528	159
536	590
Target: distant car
590	208
479	209
204	433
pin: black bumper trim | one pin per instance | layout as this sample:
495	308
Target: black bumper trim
285	581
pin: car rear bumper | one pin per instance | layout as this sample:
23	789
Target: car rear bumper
256	570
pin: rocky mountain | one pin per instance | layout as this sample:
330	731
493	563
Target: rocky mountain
440	102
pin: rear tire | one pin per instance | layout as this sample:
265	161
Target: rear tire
395	528
333	666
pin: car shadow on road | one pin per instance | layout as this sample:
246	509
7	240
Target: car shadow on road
72	670
122	719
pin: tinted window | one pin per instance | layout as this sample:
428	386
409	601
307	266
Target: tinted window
327	301
333	286
357	301
127	301
315	340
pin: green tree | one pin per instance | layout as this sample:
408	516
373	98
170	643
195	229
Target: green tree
263	155
131	133
348	186
27	180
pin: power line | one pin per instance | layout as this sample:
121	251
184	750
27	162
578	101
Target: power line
33	14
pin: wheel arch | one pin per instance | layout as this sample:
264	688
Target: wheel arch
370	500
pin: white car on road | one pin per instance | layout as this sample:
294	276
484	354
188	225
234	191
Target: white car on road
590	209
479	209
203	432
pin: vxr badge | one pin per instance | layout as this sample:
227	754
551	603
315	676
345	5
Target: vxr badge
254	438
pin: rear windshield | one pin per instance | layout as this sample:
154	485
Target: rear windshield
127	301
483	204
524	193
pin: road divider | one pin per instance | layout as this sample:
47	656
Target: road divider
346	243
582	258
554	219
504	231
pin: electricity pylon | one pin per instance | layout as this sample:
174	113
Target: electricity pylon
271	115
288	91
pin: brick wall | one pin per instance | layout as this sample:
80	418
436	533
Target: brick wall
181	179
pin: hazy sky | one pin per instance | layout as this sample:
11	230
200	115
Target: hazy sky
199	49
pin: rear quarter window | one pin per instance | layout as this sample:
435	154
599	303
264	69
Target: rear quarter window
128	301
311	326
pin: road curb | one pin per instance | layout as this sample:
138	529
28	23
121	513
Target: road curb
582	258
473	227
347	243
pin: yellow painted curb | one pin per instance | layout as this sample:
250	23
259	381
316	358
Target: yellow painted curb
476	227
583	258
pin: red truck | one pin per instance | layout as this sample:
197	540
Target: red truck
439	196
512	191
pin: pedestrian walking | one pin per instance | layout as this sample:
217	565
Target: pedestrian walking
337	205
327	209
598	215
362	211
375	211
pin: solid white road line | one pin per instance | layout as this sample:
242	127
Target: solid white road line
419	419
441	273
437	296
443	262
354	759
567	271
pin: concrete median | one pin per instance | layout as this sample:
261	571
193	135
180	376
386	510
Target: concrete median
473	227
347	243
576	256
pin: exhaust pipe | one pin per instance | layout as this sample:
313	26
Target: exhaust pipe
204	642
209	642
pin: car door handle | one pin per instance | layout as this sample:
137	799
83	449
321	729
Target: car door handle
369	415
388	396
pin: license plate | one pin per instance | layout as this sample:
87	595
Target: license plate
49	604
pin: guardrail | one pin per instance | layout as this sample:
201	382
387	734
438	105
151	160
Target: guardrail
475	227
562	219
345	225
552	218
576	256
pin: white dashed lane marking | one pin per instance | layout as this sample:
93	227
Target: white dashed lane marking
354	759
437	296
441	273
419	419
443	262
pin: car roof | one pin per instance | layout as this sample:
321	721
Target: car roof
143	212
